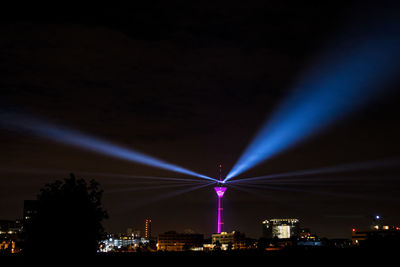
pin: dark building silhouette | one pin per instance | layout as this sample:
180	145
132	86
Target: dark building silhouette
360	237
378	235
30	210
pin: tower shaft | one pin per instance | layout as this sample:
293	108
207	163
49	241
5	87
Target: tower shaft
220	193
220	221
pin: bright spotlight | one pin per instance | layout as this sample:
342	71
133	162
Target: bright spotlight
344	79
67	136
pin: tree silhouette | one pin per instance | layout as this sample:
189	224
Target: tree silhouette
217	246
230	246
68	219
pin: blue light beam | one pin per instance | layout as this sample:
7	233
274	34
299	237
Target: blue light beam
133	178
307	191
144	202
77	139
350	167
145	188
342	80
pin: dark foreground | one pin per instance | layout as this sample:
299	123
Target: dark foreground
246	258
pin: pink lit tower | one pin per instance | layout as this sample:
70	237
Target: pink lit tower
220	193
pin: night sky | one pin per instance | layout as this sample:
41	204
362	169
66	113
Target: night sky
190	85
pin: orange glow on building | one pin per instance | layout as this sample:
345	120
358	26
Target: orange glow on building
147	228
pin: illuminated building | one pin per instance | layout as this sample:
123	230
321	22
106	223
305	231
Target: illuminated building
147	228
360	236
235	238
8	227
281	228
120	241
304	233
173	241
10	235
377	231
133	232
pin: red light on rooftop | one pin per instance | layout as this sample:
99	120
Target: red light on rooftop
353	229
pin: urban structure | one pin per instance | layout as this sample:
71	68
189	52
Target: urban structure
173	241
122	242
234	240
277	234
377	232
147	228
281	228
135	233
127	242
30	209
10	235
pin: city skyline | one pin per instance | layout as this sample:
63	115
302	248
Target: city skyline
298	102
145	230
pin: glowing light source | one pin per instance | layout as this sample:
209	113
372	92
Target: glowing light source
71	137
220	193
344	79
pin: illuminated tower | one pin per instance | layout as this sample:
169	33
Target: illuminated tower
147	228
220	193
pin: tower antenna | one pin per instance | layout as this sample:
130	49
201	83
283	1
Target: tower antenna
220	172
